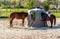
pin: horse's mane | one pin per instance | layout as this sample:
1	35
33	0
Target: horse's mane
19	12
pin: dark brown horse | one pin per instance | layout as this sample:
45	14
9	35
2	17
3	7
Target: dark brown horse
18	15
46	18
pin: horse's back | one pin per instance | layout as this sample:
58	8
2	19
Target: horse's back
18	14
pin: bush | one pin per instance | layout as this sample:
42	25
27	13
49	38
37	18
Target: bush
21	6
46	7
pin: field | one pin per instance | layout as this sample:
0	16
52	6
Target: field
17	32
7	12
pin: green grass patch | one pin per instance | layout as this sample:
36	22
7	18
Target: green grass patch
7	12
55	11
57	15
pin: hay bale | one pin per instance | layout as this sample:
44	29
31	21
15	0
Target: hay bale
38	19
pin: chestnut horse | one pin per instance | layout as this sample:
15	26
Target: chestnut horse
46	18
18	15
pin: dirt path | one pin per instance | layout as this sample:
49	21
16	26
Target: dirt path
28	33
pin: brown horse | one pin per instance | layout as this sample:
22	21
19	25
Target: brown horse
46	18
18	15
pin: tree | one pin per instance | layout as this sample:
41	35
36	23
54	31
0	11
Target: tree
46	5
28	3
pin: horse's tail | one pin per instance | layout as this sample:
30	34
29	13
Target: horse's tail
54	20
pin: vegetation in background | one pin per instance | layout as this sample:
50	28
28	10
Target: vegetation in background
6	13
46	5
8	6
29	3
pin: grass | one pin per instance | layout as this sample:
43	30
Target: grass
55	11
7	12
57	15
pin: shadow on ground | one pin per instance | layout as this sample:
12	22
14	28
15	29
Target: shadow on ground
39	28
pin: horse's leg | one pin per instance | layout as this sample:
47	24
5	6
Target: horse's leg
23	22
44	23
11	22
51	21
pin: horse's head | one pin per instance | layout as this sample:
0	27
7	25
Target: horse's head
43	14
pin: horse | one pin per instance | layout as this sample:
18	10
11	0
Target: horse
18	15
51	18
